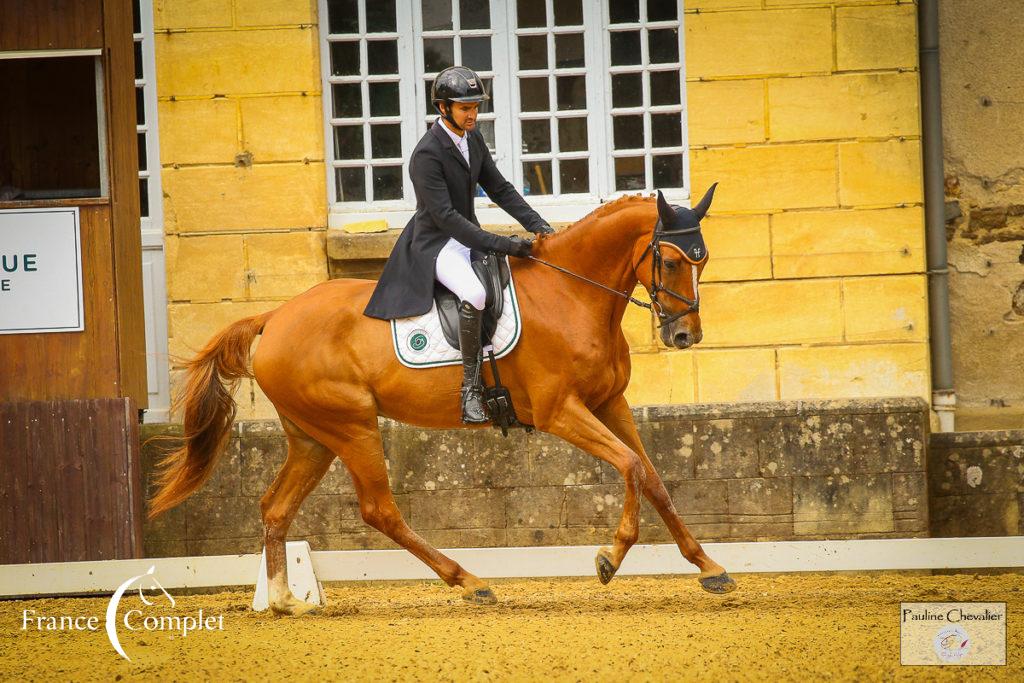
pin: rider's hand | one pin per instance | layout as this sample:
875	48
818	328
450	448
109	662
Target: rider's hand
543	228
517	246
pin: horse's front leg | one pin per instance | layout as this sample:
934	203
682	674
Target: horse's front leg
574	422
618	418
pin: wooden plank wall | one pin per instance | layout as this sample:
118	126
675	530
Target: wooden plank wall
51	24
71	487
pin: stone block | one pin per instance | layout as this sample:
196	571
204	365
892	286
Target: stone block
980	514
369	539
597	505
701	497
876	37
359	227
246	545
803	176
892	308
736	375
205	268
758	496
466	538
237	62
854	371
670	447
192	325
692	5
554	462
536	507
880	173
275	13
831	107
183	140
169	527
285	128
429	460
970	471
175	14
638	325
214	517
225	480
725	112
153	547
761	528
740	248
326	514
842	504
773	312
726	449
858	242
227	198
661	378
458	509
284	264
754	40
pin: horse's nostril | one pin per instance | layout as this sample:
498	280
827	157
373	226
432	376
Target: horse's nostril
681	339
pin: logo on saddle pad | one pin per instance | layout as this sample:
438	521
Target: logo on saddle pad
417	340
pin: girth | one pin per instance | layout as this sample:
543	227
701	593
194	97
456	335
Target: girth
494	275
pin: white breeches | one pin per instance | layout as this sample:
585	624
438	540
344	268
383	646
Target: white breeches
455	272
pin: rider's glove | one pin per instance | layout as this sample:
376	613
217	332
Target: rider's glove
517	246
542	228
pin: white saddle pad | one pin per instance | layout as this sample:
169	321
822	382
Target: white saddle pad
420	342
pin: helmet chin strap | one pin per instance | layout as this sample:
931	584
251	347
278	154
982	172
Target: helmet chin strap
447	111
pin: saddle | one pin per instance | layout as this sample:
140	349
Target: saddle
494	275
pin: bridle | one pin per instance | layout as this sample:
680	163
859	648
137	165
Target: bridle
657	286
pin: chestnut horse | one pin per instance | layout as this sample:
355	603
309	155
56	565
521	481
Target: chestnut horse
330	372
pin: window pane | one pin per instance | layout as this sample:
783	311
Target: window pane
624	11
533	52
628	132
351	187
625	47
533	94
664	87
437	15
568	50
387	182
348	101
572	134
380	16
431	109
572	92
627	90
140	108
487	105
536	177
136	18
663	45
386	141
575	175
143	197
474	14
142	151
629	173
438	54
668	171
568	13
345	59
661	10
530	13
666	130
476	53
536	136
382	56
487	130
138	61
384	99
343	16
348	142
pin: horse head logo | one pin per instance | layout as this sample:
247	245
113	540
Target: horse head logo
115	599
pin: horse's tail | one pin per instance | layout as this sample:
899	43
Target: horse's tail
208	411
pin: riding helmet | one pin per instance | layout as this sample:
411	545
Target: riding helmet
457	84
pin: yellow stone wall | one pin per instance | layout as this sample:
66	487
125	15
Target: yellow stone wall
241	150
806	112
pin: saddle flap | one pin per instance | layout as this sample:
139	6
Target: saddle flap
494	275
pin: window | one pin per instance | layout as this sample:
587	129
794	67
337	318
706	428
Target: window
150	197
587	98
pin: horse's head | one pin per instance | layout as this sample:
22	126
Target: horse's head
670	268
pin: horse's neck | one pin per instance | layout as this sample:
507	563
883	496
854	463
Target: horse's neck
603	250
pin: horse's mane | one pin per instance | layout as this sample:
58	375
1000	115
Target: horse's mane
607	208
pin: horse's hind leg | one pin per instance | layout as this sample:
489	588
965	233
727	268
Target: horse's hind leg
306	464
364	457
617	416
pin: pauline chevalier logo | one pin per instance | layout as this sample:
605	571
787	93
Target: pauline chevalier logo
958	633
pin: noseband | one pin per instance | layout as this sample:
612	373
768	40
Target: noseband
657	286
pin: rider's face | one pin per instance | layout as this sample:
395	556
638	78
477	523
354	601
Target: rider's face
464	114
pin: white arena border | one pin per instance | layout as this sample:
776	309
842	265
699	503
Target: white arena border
104	576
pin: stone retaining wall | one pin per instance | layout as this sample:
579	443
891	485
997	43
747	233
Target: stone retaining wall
976	483
759	471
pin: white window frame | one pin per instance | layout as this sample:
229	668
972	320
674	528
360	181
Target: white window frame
504	55
153	224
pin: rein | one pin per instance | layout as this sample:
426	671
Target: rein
654	247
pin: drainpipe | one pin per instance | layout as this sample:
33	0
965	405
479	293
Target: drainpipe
943	395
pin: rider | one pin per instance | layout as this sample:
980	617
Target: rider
446	166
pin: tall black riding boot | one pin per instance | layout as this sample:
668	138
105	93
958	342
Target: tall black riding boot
469	342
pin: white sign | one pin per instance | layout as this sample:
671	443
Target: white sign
40	271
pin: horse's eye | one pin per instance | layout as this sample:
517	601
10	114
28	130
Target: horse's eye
671	265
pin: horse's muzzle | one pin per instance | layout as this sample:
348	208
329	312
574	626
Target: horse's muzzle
680	338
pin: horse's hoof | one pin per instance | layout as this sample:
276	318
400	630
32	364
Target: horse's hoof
480	596
295	609
605	569
719	585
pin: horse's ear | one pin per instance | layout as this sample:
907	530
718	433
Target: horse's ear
705	203
665	212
